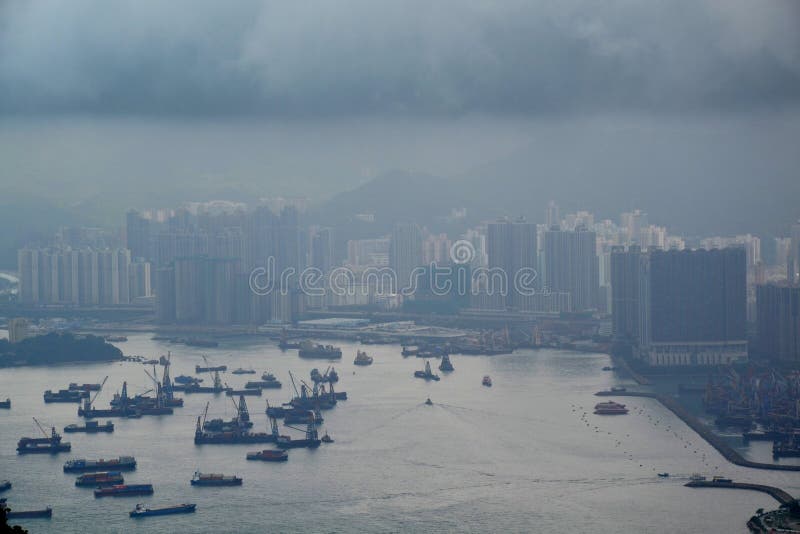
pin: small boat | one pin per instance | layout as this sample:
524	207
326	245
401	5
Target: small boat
268	455
25	514
201	479
185	379
487	381
6	404
618	389
446	365
721	480
429	402
326	438
141	511
663	475
608	368
5	485
610	408
241	371
123	490
362	358
697	477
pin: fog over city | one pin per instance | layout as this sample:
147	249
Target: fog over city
400	266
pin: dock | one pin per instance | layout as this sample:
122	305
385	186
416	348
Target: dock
776	493
692	422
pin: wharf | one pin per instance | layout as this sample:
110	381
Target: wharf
776	493
692	422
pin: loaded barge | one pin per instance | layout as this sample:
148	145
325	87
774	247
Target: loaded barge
91	427
122	463
201	479
141	511
104	478
124	490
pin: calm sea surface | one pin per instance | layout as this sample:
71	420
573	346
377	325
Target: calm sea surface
526	455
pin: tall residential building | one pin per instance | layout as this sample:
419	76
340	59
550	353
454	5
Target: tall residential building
553	218
140	280
691	305
778	322
368	252
632	223
793	263
511	246
138	235
405	252
323	256
571	266
436	249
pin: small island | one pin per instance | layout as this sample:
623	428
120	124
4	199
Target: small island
55	348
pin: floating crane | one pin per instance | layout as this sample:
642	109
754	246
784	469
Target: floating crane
87	403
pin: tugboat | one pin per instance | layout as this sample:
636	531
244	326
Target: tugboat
663	475
91	427
429	402
95	480
141	511
241	371
124	490
487	381
309	349
119	464
200	479
610	408
268	455
362	358
326	438
446	364
47	445
6	404
427	374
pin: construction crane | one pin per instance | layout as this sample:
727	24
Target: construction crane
291	377
91	400
41	428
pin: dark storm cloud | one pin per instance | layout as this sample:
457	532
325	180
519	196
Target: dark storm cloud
351	57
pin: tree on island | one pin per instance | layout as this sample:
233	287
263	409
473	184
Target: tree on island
56	348
5	527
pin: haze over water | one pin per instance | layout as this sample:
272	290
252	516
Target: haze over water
514	457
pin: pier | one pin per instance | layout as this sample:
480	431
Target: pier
776	493
692	422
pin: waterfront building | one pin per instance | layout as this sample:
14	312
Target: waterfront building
778	323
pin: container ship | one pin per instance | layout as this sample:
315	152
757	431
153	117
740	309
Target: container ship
124	490
47	445
362	358
142	511
91	427
201	479
309	349
103	478
610	408
123	463
268	455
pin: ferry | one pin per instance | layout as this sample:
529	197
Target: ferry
121	463
91	427
123	490
362	358
268	455
610	408
201	479
103	478
487	381
141	511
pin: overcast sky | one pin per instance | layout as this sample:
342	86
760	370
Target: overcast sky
410	57
106	105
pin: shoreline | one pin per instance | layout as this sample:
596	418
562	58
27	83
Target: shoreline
692	422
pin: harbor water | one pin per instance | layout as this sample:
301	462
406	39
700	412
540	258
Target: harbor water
526	455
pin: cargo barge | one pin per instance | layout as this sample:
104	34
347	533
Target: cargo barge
45	445
65	395
210	369
263	384
30	514
104	478
201	479
254	392
124	490
268	455
123	463
91	427
141	511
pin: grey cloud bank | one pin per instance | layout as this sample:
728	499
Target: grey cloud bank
356	57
